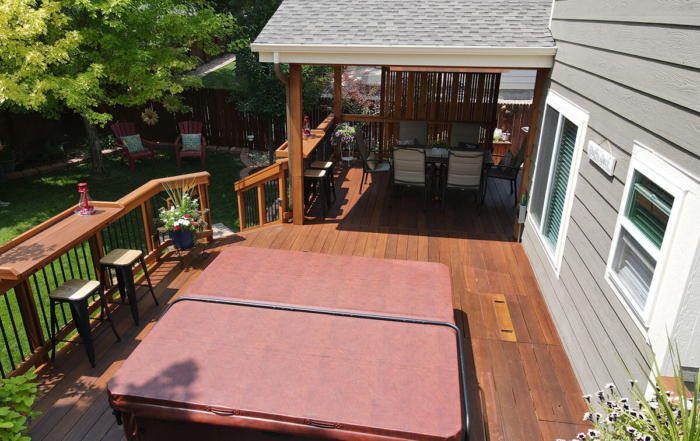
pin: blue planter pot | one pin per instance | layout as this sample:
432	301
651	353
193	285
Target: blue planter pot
183	240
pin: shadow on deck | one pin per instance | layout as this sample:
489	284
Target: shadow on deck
520	382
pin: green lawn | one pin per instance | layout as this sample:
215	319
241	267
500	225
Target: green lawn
222	78
36	199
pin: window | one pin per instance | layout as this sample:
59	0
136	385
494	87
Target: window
558	155
641	234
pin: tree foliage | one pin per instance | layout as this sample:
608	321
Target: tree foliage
85	54
257	88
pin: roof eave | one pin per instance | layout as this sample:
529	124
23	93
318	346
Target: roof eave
394	55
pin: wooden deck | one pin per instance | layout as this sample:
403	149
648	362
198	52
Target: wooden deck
521	385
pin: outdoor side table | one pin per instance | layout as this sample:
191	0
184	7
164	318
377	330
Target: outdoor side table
122	261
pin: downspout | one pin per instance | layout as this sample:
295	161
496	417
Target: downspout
283	78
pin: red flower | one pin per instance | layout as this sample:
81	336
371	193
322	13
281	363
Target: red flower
187	216
195	224
177	227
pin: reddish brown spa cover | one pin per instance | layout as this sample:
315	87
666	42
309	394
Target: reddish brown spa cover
402	288
290	372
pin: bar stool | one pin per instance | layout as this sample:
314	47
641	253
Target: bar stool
313	177
328	167
75	292
122	262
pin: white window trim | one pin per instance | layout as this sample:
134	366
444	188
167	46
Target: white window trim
579	117
671	180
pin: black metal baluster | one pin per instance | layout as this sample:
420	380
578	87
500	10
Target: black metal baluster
63	272
7	346
41	303
14	325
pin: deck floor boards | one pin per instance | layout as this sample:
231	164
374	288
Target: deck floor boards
520	387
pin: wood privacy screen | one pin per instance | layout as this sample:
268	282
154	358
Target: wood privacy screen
440	98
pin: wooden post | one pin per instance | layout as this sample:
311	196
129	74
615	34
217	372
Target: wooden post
241	211
147	225
97	253
283	193
337	104
261	204
530	145
30	316
296	154
203	191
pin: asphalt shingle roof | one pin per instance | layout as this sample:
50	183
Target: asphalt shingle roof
485	23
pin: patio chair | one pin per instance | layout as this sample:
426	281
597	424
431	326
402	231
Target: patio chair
370	163
464	133
508	172
190	128
417	130
409	170
465	171
128	129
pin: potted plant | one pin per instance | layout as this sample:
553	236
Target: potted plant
17	395
183	219
344	134
440	146
8	160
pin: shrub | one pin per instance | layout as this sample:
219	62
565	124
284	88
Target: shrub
17	395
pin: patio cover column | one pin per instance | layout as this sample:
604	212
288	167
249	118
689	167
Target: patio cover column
337	104
296	154
529	147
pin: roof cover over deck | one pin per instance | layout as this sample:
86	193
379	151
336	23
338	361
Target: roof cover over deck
448	33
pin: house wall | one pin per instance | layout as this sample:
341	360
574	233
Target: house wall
635	68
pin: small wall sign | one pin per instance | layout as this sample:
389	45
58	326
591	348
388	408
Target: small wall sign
602	157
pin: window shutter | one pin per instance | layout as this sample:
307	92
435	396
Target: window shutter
649	208
544	163
560	181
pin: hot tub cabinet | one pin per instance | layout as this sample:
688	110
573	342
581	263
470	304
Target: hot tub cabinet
231	367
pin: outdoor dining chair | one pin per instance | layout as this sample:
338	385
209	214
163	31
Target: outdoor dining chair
370	163
508	171
462	133
409	170
193	143
417	130
132	145
465	171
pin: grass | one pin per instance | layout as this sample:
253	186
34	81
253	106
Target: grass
222	78
36	199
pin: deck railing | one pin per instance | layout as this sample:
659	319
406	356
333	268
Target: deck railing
24	308
262	196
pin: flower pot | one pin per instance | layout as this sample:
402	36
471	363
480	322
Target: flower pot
9	166
183	239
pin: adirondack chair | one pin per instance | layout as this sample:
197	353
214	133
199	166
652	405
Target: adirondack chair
127	129
188	128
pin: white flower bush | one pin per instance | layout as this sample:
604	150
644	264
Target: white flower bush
663	416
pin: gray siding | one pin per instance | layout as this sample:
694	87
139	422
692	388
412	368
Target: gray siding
635	68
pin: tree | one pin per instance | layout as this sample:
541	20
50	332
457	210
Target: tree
85	55
257	89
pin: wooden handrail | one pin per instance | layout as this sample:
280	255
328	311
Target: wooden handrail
139	199
276	171
261	176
